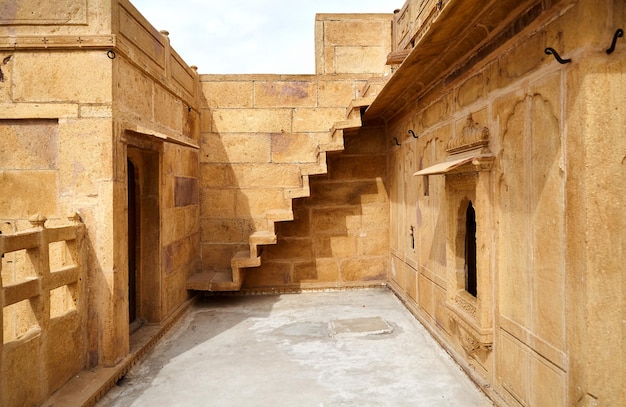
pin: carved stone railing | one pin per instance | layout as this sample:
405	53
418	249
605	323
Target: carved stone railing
43	300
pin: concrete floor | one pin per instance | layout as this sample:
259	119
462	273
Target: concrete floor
347	348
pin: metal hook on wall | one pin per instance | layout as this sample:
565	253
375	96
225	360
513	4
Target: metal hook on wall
618	34
412	133
396	140
111	54
552	51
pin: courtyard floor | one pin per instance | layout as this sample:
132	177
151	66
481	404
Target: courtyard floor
346	348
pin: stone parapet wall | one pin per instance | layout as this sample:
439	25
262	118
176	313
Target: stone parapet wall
352	43
43	298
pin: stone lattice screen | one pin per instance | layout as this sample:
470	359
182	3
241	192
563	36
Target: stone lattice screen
43	341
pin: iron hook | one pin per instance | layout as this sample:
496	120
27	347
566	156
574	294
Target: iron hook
552	51
618	34
412	133
396	140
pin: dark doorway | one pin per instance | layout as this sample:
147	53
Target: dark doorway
133	238
144	269
470	250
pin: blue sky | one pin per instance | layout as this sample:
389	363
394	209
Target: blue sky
248	36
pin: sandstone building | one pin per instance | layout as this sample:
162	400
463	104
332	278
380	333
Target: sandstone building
470	155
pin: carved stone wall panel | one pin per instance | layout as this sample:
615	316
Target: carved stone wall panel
145	39
33	12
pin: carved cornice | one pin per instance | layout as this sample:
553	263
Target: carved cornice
472	136
58	42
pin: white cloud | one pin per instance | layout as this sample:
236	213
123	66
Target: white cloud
248	36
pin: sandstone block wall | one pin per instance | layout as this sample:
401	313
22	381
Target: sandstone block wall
552	129
256	146
339	235
264	135
352	43
83	89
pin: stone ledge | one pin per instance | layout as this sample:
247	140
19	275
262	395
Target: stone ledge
38	110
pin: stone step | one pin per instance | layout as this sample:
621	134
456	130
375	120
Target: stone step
279	215
316	169
357	106
232	280
262	237
243	259
301	192
210	280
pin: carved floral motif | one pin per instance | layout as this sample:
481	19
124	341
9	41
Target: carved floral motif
461	303
472	136
469	341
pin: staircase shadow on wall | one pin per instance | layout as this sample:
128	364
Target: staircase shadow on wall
339	236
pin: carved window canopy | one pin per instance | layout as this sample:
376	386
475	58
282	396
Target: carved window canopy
468	151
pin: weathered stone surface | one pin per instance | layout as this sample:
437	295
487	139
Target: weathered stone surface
183	221
335	93
357	167
215	175
265	175
270	274
337	39
218	230
523	59
364	269
253	202
28	192
373	242
216	256
543	328
335	246
167	109
252	121
371	140
63	82
133	88
325	271
356	32
217	202
285	94
471	90
359	59
316	119
294	148
38	142
236	148
291	248
231	94
186	191
353	193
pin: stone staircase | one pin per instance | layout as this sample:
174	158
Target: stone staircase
232	280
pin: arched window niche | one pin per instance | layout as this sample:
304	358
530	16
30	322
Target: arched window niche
468	180
470	250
